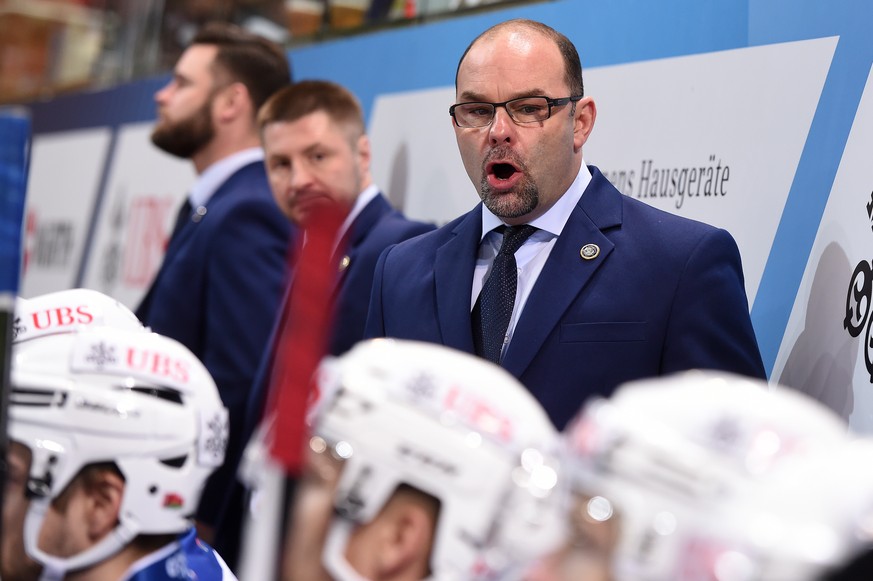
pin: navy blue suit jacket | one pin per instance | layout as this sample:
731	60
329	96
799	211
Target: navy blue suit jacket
374	229
664	294
218	289
377	227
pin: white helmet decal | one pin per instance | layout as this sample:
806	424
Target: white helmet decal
66	311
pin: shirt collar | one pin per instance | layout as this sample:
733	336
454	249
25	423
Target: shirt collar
556	217
216	174
361	202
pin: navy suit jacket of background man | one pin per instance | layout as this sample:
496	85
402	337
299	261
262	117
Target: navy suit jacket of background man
218	290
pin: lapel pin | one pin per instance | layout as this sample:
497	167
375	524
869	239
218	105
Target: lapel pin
344	263
590	251
198	214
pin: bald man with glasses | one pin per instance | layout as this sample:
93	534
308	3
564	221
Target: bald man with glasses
568	284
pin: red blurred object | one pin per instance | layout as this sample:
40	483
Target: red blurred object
306	327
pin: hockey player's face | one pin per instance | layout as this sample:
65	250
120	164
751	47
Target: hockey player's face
15	565
588	551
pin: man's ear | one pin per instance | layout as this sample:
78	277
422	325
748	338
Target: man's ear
364	155
231	102
583	121
105	491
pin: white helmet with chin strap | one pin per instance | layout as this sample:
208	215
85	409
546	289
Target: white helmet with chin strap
104	395
450	425
668	456
67	311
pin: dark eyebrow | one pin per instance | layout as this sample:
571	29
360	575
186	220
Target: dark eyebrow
181	78
317	147
467	96
470	96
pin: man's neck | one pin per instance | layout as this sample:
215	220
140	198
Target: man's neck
220	148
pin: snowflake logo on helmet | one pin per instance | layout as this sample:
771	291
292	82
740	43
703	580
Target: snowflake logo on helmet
101	355
18	328
725	433
422	386
216	441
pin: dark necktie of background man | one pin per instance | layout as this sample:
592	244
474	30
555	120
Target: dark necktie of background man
493	310
182	217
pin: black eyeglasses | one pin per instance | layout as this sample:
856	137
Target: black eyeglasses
521	110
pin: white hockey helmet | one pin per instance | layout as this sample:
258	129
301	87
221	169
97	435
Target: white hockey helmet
806	521
668	455
139	400
455	427
68	310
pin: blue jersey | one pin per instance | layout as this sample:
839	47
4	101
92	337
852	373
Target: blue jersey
187	558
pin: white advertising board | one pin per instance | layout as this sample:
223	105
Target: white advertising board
143	191
827	351
715	137
65	173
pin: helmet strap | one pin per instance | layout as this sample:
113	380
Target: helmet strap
57	567
334	558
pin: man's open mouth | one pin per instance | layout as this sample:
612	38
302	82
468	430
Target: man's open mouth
502	171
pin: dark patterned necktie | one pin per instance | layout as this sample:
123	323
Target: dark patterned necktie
182	217
493	310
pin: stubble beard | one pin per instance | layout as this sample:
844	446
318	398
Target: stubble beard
185	138
520	201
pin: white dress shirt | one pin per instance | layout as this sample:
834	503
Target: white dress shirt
216	174
532	256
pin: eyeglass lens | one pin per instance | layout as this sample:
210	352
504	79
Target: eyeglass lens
523	110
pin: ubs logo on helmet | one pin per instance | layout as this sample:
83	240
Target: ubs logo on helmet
53	320
158	364
480	414
61	317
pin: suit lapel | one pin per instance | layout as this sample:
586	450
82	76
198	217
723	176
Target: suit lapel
173	245
565	273
453	280
187	230
198	214
362	225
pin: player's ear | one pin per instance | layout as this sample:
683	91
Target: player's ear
105	490
407	543
408	535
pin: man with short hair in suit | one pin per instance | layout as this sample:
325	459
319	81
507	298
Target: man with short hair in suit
317	152
600	288
221	280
